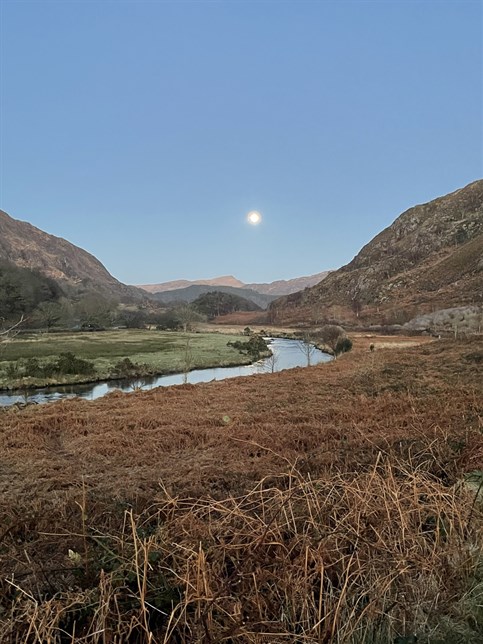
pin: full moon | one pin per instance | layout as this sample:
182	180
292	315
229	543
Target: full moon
254	217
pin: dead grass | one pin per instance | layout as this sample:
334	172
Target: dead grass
315	505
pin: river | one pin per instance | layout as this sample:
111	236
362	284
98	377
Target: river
286	354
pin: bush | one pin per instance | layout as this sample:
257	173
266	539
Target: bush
343	345
33	367
127	369
255	347
67	363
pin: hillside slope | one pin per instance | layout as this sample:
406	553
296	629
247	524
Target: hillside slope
431	257
190	293
72	267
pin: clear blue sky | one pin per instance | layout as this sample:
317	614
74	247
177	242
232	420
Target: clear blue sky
145	131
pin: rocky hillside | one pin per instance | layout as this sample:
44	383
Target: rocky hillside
74	269
430	258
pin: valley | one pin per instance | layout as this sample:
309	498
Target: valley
241	322
329	502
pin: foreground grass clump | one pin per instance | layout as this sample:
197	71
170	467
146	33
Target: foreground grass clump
384	555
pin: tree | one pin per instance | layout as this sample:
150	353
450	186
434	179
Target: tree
47	314
187	358
188	317
335	338
217	303
22	290
270	364
356	305
7	334
93	310
307	346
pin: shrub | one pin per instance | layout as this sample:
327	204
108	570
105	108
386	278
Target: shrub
255	347
125	368
67	363
343	345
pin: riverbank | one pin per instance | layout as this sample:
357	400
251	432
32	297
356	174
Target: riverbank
316	504
283	354
150	353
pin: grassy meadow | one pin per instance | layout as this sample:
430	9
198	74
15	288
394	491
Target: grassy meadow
336	503
156	352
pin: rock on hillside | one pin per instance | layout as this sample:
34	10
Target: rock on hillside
430	258
29	247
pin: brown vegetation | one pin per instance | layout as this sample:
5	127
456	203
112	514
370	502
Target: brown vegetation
242	318
315	505
29	247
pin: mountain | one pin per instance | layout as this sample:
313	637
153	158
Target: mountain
191	293
430	258
22	290
273	289
74	269
226	280
286	287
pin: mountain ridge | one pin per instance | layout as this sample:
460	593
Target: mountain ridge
224	280
27	246
430	257
276	288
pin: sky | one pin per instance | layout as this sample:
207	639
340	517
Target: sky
144	132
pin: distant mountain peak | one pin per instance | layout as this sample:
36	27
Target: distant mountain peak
224	280
279	287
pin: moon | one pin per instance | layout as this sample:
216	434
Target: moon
254	217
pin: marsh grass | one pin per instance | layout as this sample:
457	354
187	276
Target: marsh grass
155	352
385	554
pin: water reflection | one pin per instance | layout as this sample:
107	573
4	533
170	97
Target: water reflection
286	354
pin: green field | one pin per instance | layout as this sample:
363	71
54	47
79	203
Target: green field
157	351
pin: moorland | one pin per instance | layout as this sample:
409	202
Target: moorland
335	503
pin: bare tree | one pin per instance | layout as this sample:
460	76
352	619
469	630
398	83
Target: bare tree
269	364
7	335
188	317
187	358
307	346
48	314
